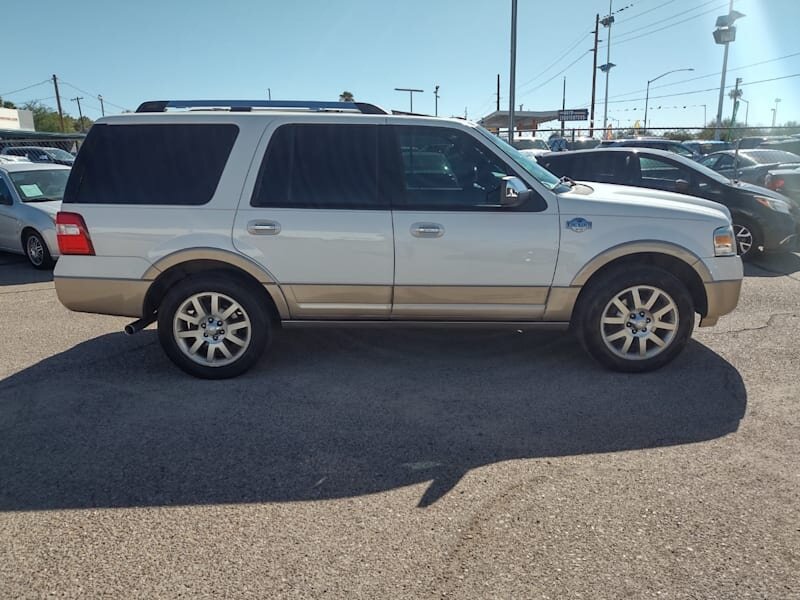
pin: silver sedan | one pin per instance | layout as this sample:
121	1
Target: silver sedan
30	197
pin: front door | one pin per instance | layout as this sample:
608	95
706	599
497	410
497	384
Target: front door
317	223
458	253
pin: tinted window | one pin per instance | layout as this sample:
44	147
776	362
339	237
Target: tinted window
5	194
560	165
150	164
725	162
604	167
447	169
320	166
657	169
709	161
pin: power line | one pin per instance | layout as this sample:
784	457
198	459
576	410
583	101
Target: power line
558	60
636	37
705	90
33	85
645	12
671	17
564	70
75	87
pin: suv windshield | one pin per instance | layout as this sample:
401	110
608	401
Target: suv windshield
542	175
40	185
59	154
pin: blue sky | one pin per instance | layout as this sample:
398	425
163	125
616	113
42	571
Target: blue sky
314	49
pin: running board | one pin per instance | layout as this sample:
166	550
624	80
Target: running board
540	325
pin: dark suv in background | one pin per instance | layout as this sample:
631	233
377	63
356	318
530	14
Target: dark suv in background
763	220
655	143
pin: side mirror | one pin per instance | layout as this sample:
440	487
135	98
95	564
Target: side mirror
513	191
682	186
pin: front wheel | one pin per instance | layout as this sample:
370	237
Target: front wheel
213	326
635	319
749	240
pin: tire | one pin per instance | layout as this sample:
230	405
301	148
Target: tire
37	252
189	319
613	338
749	239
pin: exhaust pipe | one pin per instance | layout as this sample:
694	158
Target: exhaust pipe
139	324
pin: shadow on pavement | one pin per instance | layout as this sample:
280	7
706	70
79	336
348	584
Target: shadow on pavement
332	414
773	265
15	270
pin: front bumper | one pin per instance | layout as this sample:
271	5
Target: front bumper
722	297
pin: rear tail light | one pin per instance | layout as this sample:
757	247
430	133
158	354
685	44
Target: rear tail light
775	183
73	236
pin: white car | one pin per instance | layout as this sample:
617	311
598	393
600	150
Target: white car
30	197
230	219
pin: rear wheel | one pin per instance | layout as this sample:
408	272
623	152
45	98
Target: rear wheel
635	319
37	252
213	326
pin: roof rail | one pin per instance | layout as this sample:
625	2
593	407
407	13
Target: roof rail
249	105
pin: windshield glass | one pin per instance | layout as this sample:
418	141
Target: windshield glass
41	185
766	157
60	154
704	170
542	175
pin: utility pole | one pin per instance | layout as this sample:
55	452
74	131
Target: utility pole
58	103
80	114
411	92
102	106
775	111
513	74
498	91
563	103
724	34
607	22
594	71
269	94
436	96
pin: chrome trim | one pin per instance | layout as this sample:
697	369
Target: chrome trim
122	297
410	324
263	227
427	230
722	296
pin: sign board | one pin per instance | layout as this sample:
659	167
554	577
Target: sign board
11	118
578	114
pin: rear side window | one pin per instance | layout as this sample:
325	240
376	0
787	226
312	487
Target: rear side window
558	165
333	166
150	164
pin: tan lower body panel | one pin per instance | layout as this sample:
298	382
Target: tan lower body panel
338	301
122	297
492	303
561	302
722	296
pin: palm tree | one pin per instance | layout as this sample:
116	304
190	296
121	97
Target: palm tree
346	96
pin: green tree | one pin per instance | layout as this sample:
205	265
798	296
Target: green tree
47	119
8	104
346	96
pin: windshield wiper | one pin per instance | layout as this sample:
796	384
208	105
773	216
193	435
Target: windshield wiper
42	200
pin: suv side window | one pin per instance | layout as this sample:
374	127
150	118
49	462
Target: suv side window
150	164
662	174
604	167
447	169
329	166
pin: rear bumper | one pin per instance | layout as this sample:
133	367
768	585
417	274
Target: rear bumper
722	297
122	297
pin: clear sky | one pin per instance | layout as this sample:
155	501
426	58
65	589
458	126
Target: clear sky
315	49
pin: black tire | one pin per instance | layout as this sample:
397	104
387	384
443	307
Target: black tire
36	251
253	318
596	303
744	229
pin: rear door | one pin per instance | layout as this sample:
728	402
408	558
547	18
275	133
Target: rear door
316	221
458	253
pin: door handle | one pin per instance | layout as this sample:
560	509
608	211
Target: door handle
427	230
263	227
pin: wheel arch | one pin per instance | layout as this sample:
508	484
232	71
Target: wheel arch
176	267
682	263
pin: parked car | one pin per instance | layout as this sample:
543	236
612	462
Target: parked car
756	141
785	181
41	154
703	147
656	143
531	146
751	166
13	159
30	197
334	224
763	220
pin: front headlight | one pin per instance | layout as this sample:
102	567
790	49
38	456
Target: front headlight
773	204
724	241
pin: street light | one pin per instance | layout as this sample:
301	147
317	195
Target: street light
647	95
775	111
724	34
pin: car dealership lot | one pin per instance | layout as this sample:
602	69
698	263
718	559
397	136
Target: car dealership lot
399	464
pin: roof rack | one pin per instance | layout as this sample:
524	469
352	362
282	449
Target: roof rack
249	105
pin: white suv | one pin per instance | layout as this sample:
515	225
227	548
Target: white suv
229	219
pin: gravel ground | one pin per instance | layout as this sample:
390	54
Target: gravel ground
399	464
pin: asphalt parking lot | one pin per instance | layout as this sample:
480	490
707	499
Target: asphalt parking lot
399	464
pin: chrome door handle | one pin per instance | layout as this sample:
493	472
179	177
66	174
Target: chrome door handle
263	227
427	230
